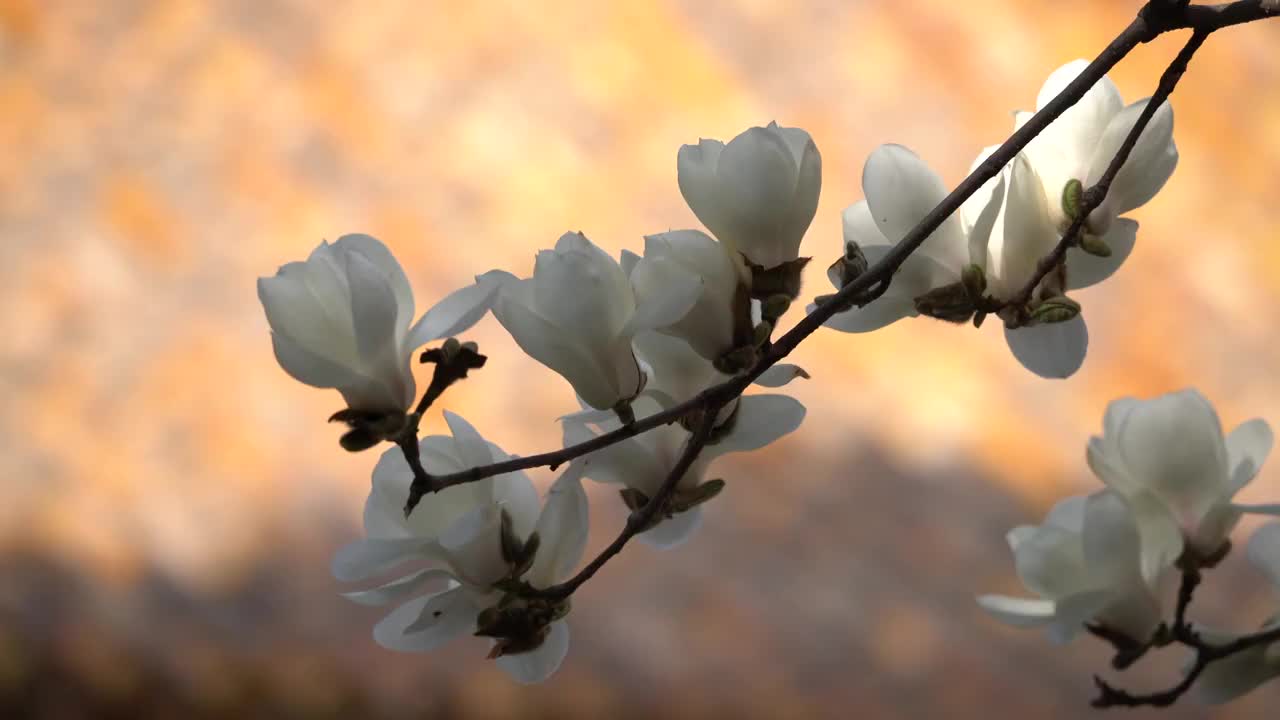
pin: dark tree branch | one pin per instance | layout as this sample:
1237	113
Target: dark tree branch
640	520
1183	633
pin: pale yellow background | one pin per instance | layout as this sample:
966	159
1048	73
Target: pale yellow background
169	499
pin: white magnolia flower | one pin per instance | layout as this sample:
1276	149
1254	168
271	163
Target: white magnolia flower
1080	144
642	463
578	314
393	539
900	190
462	539
757	194
1235	675
709	326
1168	457
341	320
1022	235
1083	562
1077	146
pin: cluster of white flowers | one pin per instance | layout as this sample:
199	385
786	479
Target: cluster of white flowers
1003	231
641	334
631	336
1109	560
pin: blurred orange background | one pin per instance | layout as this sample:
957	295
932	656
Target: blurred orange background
170	498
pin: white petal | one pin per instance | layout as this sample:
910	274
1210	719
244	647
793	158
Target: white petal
696	173
315	370
562	529
1055	350
901	189
541	663
581	290
761	420
1264	552
1148	166
804	204
459	310
550	345
984	224
1051	562
1111	540
1068	513
365	558
780	375
380	257
397	589
665	292
1079	128
424	624
1161	537
1019	612
373	310
1173	446
1084	270
673	532
757	178
1247	448
1072	612
1024	233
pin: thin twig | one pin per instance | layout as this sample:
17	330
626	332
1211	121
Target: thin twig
642	518
1096	194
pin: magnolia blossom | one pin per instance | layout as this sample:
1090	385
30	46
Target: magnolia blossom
578	314
1081	143
1083	562
1168	457
900	190
1077	146
341	320
466	539
642	463
1022	235
723	304
758	193
1237	674
392	538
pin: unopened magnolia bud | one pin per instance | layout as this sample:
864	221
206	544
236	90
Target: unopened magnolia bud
1055	310
368	428
736	360
949	302
974	279
1072	198
1094	245
694	497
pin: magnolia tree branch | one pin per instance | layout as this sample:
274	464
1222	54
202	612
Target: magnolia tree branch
1154	20
1185	634
642	519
